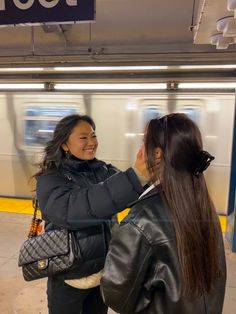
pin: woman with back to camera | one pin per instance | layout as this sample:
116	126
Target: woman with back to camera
167	256
78	192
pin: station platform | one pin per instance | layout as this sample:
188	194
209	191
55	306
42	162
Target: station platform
20	297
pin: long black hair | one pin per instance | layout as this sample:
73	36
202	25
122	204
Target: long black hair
53	153
185	193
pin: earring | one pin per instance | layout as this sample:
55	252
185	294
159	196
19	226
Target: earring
67	154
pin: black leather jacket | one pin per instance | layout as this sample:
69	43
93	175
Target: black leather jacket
142	272
83	196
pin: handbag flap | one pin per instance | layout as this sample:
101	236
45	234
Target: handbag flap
48	244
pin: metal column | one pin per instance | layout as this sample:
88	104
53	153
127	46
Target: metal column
231	214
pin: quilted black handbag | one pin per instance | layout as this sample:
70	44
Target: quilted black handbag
49	253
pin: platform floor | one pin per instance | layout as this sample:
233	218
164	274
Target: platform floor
20	297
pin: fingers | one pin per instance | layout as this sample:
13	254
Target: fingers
141	153
140	162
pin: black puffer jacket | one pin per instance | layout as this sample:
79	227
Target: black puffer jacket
142	271
83	196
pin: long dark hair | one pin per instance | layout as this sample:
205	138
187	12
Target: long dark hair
53	153
185	193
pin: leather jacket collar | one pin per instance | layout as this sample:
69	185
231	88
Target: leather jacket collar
154	191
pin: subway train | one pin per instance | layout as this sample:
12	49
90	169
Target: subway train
27	121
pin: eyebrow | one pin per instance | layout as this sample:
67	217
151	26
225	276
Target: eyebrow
87	133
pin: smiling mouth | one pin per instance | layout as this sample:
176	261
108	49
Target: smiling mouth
90	150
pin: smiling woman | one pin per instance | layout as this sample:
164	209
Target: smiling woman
78	192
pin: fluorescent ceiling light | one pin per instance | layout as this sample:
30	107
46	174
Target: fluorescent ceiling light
142	68
219	66
206	85
21	69
112	68
22	86
127	86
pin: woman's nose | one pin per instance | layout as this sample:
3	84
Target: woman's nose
92	140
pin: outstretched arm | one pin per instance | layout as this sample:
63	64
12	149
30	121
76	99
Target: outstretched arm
68	205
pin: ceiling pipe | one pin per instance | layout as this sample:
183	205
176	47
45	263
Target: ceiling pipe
199	19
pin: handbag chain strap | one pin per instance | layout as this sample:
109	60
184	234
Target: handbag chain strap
36	223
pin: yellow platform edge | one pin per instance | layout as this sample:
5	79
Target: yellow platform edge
18	206
21	206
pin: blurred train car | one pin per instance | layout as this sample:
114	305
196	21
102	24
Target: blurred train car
28	120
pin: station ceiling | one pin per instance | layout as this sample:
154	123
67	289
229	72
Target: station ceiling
131	32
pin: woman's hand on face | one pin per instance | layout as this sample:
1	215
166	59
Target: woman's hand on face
140	162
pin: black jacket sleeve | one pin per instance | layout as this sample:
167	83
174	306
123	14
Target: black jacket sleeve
68	205
125	268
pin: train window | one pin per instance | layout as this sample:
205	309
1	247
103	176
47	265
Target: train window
40	121
41	111
191	112
150	112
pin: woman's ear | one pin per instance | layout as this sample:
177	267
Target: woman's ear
64	147
158	155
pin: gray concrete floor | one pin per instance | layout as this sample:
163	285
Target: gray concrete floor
20	297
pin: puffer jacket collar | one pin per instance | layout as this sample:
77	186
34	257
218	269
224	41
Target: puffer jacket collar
77	165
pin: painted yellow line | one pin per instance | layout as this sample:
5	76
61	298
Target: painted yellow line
122	214
223	221
19	206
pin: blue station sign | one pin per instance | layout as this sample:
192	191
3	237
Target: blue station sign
14	12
